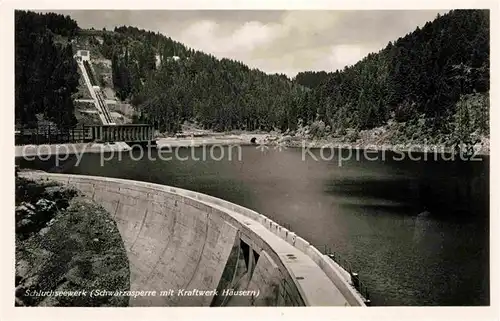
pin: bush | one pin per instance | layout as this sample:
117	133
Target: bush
352	135
317	129
404	111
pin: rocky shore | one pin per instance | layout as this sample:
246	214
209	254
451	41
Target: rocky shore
374	139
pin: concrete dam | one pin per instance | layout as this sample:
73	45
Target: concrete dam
210	252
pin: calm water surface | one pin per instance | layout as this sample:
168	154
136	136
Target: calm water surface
416	231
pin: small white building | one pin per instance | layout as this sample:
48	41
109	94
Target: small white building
83	55
158	61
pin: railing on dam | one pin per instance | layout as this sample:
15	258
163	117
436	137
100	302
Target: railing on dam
47	134
336	257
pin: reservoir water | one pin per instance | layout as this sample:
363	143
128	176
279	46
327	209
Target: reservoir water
416	231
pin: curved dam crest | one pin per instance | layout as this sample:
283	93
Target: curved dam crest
183	242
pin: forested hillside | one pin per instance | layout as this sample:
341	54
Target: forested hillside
219	94
45	72
436	77
435	80
431	84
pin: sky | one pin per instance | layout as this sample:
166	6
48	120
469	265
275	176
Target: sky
274	41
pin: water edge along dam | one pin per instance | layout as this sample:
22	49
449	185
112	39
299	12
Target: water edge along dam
178	239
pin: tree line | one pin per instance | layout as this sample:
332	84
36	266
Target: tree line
311	79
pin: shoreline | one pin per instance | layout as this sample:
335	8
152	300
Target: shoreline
262	141
278	140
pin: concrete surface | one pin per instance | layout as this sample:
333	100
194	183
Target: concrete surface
182	240
91	90
97	98
266	279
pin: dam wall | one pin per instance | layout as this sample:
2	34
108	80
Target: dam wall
180	241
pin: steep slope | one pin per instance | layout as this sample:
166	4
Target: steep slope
46	74
438	74
171	83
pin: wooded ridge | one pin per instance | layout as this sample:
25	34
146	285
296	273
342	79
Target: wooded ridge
434	81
